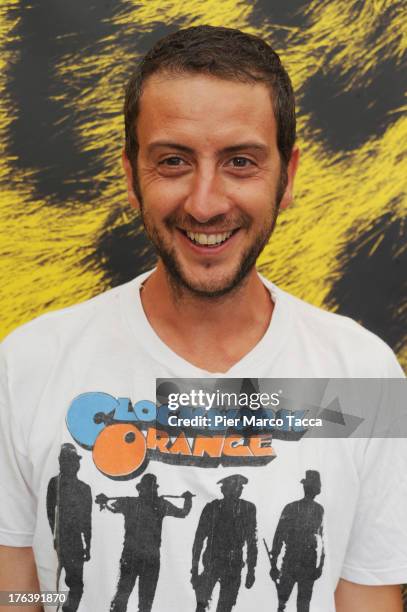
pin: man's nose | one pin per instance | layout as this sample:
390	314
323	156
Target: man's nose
207	197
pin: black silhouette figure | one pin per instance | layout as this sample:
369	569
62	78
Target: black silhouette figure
69	509
227	525
300	530
143	519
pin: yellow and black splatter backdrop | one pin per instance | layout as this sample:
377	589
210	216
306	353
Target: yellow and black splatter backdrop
66	230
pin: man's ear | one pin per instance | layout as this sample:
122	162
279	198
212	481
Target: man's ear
291	172
128	171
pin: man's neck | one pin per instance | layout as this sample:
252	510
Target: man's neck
210	333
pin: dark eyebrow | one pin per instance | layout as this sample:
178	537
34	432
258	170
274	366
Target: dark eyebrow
244	146
170	145
232	149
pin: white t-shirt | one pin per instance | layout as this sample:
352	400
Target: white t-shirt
104	353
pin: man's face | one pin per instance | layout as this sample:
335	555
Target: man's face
210	177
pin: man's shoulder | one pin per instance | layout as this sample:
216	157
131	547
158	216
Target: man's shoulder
340	338
48	333
56	342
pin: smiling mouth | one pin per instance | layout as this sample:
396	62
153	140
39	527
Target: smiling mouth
208	240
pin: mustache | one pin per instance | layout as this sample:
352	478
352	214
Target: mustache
220	222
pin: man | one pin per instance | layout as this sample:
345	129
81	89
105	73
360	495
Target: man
210	159
299	530
143	519
69	510
227	526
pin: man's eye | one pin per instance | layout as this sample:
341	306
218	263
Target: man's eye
241	162
172	161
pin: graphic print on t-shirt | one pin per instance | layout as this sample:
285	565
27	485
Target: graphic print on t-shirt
226	528
124	437
300	532
69	509
124	440
143	519
226	525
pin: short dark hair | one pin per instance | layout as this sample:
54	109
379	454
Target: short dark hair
222	52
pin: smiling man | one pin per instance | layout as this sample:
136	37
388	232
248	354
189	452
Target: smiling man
214	175
210	160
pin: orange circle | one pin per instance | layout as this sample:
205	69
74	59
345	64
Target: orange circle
119	450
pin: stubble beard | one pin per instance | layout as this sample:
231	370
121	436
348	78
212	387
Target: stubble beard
176	276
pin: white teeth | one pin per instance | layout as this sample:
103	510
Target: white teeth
208	239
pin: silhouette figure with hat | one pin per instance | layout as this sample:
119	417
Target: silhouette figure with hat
69	510
143	519
300	530
227	525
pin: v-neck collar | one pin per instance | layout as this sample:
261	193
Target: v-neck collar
259	357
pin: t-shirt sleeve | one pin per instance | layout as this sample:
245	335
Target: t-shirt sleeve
17	506
377	548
